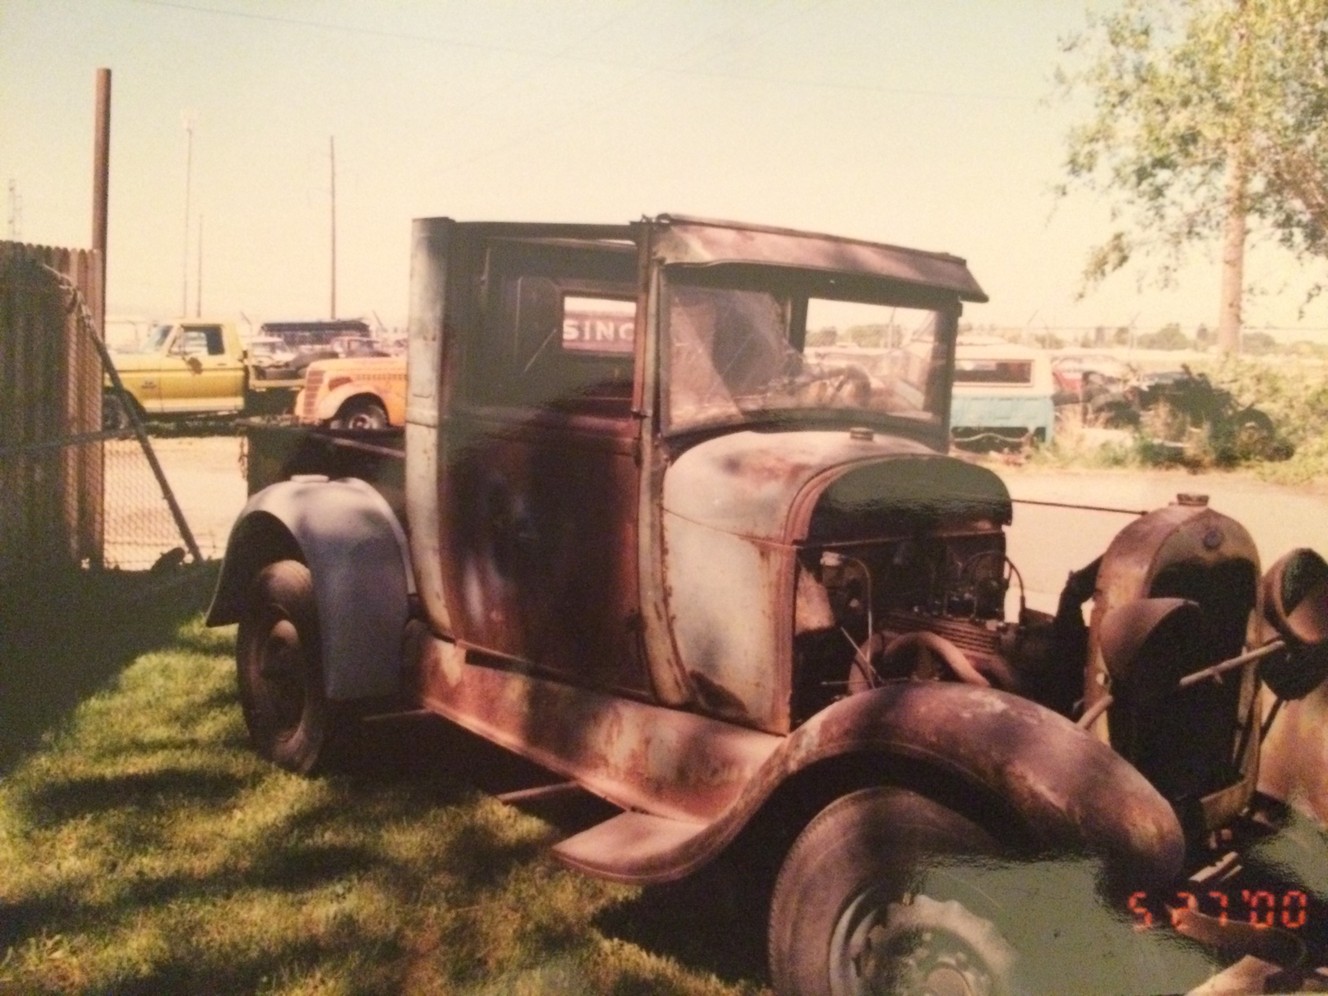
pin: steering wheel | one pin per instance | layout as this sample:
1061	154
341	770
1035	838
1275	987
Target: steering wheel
841	379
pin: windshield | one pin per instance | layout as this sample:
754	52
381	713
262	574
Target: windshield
738	354
151	343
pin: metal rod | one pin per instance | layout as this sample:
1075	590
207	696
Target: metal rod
1268	720
108	365
1230	665
1094	711
1249	657
1085	508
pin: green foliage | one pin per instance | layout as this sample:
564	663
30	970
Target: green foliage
1168	337
1257	343
1295	396
1175	91
869	336
827	336
147	850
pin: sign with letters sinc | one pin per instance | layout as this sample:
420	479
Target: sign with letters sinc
592	325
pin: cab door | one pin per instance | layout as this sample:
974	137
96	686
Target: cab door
197	373
539	483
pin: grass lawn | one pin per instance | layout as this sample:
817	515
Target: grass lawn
145	849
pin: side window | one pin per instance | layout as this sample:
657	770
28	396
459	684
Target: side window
200	341
558	330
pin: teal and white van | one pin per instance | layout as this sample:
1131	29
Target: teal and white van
1002	395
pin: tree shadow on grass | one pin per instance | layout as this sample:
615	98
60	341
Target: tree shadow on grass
64	636
69	798
714	921
415	747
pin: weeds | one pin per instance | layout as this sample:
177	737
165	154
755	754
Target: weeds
1295	399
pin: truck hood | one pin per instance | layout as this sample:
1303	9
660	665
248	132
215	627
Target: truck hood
766	485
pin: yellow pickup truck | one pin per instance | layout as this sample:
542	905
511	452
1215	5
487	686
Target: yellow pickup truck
203	367
183	367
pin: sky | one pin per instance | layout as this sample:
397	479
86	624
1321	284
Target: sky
927	123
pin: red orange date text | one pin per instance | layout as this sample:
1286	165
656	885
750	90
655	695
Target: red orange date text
1288	909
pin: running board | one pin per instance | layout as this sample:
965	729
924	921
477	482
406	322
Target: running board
631	847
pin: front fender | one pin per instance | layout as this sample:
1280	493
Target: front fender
330	403
358	557
1071	792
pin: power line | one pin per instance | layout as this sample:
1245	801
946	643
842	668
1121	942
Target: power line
564	54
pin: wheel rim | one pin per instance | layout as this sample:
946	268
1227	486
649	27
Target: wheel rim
281	668
917	946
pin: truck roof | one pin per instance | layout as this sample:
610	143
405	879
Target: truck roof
339	326
703	240
686	240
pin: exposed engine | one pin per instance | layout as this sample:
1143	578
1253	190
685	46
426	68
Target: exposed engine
925	606
1174	594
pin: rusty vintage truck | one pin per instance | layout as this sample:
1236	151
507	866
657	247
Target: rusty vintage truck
746	596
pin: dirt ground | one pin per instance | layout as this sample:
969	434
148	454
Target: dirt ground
207	477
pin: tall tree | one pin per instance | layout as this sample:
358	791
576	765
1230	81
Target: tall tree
1207	119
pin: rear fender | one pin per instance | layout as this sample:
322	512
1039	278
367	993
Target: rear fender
357	555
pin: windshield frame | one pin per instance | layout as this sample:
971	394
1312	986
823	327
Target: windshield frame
787	292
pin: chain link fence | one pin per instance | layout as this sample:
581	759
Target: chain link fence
75	495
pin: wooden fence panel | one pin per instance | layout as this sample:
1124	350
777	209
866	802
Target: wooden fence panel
51	514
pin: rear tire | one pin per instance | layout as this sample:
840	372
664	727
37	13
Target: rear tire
874	898
280	672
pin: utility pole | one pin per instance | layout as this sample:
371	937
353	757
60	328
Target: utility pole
332	150
188	175
15	211
101	180
198	299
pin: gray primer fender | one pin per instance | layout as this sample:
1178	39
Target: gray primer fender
1072	793
357	553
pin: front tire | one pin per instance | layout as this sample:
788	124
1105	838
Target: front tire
871	899
361	413
280	672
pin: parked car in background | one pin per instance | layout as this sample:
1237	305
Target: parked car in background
355	392
1082	377
271	358
1175	405
1002	396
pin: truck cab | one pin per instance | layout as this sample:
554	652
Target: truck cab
184	367
735	586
